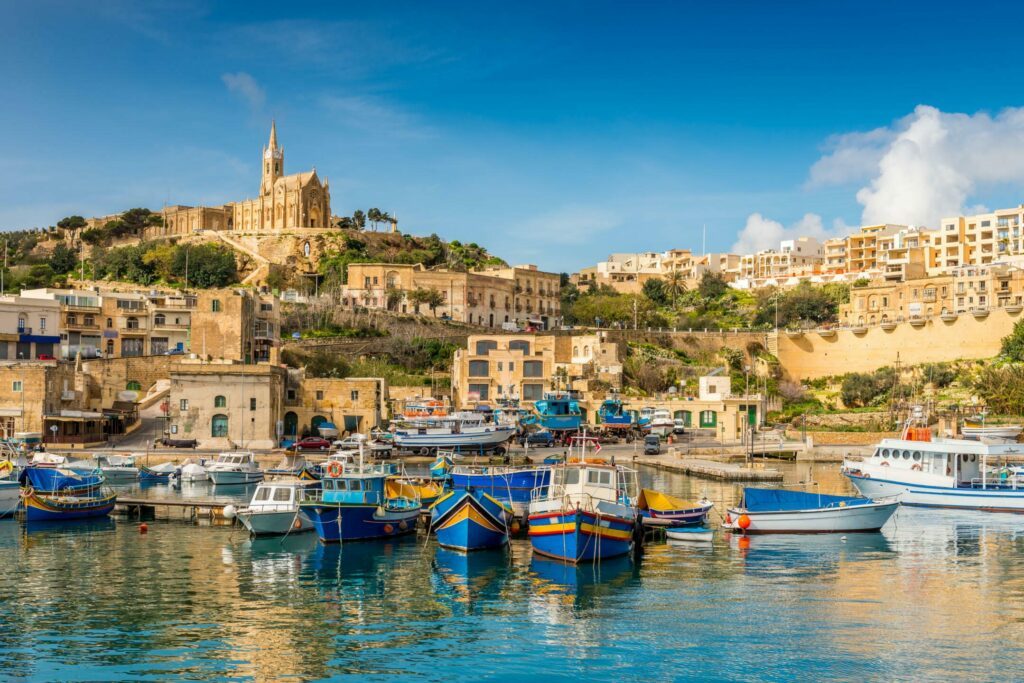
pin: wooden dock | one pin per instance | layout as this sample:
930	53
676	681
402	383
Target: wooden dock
189	509
707	469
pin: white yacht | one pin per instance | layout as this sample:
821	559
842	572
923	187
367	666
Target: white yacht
662	423
236	467
932	472
274	509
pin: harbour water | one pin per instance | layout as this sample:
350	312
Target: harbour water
939	595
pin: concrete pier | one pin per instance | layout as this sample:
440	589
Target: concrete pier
707	469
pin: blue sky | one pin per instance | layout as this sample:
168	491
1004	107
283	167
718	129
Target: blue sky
552	133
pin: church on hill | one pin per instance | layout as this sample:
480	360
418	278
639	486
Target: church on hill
285	202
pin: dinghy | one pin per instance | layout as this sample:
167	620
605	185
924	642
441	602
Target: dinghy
690	534
780	511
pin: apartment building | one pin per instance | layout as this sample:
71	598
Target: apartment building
525	367
798	257
353	404
234	324
627	273
490	298
29	327
980	239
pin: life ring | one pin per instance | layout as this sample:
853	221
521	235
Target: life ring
885	464
334	469
916	467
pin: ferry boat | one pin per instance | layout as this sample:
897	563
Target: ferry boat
237	467
353	504
463	431
507	483
937	472
558	412
587	513
469	519
614	415
274	510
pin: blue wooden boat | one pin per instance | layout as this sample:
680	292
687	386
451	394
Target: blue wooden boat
588	513
41	507
512	485
150	475
61	481
558	412
353	505
469	519
614	415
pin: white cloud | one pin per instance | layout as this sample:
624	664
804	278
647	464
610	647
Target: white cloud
927	165
246	87
763	233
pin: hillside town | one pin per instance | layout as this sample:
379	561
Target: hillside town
96	361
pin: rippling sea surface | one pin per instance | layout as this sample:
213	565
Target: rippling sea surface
938	595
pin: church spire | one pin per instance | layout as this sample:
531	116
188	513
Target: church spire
273	135
273	162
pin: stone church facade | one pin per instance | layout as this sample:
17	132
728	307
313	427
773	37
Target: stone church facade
300	200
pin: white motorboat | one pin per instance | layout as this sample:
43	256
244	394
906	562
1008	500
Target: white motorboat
117	469
780	511
192	472
10	497
44	459
662	423
291	465
465	431
934	472
981	431
235	467
274	509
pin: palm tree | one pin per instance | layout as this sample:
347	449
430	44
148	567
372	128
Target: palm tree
675	285
359	219
373	215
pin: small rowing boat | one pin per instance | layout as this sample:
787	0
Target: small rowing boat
690	534
660	509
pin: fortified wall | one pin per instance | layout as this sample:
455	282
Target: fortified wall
811	354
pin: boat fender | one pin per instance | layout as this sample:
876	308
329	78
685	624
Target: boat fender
297	523
728	518
743	522
916	467
229	512
388	528
403	525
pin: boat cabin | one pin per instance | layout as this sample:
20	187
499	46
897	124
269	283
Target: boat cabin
587	484
245	458
275	497
952	462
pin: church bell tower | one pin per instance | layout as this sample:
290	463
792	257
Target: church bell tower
273	162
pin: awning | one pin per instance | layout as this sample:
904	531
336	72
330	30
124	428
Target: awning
39	338
122	407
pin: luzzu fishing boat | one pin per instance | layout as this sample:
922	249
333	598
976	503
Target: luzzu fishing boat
558	412
509	484
659	509
45	507
613	415
158	474
469	519
353	505
426	491
587	513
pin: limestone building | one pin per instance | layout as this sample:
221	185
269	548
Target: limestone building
299	200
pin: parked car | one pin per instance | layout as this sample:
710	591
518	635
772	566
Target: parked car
679	428
312	443
542	438
652	444
349	443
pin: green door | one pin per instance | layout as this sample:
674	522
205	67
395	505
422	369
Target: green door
708	418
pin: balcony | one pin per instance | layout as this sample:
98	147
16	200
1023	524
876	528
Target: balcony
167	325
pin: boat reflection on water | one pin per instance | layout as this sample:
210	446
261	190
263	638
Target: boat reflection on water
582	584
263	546
81	527
807	554
473	577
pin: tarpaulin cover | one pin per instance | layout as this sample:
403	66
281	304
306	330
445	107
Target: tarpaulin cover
780	500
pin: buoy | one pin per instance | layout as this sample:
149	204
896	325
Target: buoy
229	512
143	528
743	522
388	528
